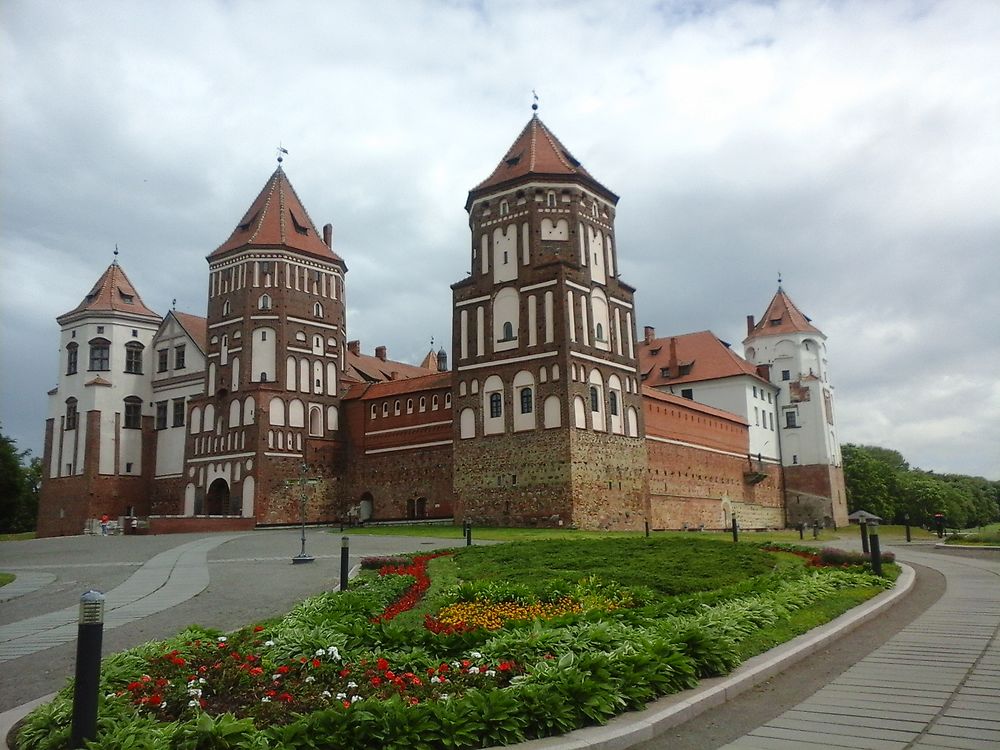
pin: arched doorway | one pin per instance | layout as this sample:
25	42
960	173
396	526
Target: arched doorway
421	507
217	500
367	506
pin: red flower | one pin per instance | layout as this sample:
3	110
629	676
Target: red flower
258	628
256	672
283	669
376	681
347	704
504	666
155	700
382	664
317	663
345	673
286	697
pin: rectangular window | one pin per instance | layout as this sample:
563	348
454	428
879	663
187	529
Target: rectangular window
179	357
161	415
786	375
755	391
71	358
791	419
179	412
71	415
133	415
100	357
161	360
133	360
687	393
756	415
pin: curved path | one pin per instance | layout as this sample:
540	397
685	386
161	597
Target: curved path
165	581
25	583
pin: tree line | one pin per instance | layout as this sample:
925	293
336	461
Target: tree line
20	479
881	481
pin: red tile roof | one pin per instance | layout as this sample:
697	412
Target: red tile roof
277	218
113	292
687	403
388	388
364	368
537	152
782	316
196	327
689	358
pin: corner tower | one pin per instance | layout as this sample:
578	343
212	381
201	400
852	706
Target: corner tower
548	414
274	364
98	455
791	353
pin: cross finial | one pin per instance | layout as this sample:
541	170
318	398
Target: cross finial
779	279
534	105
115	261
281	150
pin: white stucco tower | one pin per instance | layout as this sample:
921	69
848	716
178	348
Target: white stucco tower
791	352
98	437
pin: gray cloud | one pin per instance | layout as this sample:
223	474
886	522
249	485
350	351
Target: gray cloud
849	145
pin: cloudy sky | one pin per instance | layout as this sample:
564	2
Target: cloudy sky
852	146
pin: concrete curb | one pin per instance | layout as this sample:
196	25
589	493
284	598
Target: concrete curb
942	545
670	711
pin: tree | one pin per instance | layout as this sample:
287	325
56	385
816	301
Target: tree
870	482
19	483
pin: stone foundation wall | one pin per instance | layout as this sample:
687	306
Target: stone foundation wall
609	481
816	493
398	479
198	524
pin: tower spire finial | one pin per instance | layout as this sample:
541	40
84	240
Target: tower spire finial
115	261
281	150
534	104
779	280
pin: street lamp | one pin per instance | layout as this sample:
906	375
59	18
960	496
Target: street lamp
302	557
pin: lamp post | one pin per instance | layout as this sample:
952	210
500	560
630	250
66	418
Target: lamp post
345	547
302	557
863	525
736	528
90	633
876	551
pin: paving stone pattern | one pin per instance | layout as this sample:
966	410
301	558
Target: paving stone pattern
935	684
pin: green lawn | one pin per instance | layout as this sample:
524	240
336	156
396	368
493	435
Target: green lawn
6	578
17	537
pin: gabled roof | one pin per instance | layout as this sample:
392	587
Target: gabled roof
536	152
690	358
195	326
388	388
277	218
782	316
364	368
113	292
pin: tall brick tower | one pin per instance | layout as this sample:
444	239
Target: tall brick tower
792	351
547	406
275	359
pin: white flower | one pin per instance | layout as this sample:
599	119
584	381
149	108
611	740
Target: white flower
456	664
222	639
268	643
194	704
163	705
435	680
355	698
491	673
352	684
109	696
275	677
202	681
444	696
326	693
320	652
341	696
473	670
310	678
196	692
265	699
334	653
475	655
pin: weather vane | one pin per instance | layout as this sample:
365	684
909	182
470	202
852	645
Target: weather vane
281	150
116	254
173	304
779	279
534	105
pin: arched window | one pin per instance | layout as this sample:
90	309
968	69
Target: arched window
526	403
72	355
72	416
550	199
264	303
226	307
496	405
434	402
508	331
315	421
395	408
385	409
613	402
317	310
409	406
447	401
100	355
595	402
133	413
599	332
374	412
504	208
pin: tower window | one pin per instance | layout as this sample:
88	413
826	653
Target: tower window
317	310
161	360
786	375
687	393
178	412
595	399
264	303
226	307
508	331
161	415
395	408
526	401
599	332
550	199
496	405
100	354
385	409
133	413
613	403
133	358
179	353
72	416
504	209
72	356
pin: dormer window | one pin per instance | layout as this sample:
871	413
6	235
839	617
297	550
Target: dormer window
127	298
245	226
300	228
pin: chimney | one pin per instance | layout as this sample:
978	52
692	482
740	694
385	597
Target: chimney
380	352
750	324
648	334
672	364
328	235
442	360
354	347
394	375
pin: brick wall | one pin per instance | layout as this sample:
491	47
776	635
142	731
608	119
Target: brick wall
609	484
816	493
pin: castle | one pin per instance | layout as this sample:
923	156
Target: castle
554	413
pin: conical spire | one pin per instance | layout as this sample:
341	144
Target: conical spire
782	316
277	218
537	152
113	292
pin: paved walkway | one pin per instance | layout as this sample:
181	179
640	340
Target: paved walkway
165	581
25	583
935	684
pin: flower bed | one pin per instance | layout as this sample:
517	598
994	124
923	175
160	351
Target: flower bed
340	667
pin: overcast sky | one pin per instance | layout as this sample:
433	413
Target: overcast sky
852	146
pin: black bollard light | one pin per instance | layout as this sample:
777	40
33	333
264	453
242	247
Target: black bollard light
89	635
647	528
302	557
863	525
802	529
906	520
736	531
345	551
815	529
468	534
876	551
